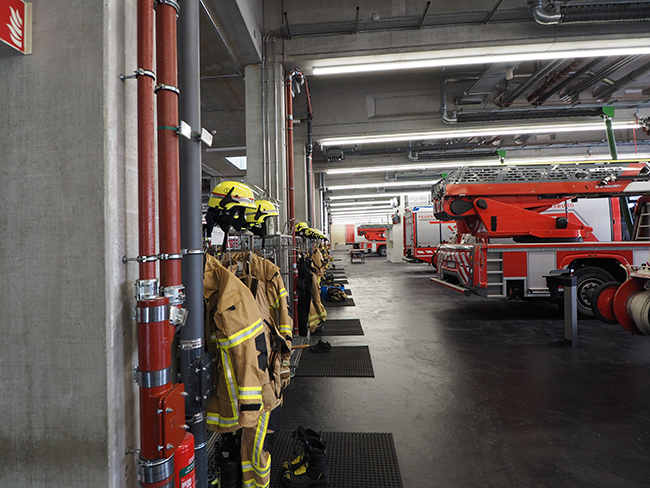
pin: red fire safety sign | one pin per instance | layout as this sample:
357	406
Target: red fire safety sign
16	25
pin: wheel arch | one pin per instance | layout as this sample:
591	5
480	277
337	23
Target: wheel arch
610	264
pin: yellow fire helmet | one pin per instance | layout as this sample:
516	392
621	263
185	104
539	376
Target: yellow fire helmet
301	227
262	211
229	194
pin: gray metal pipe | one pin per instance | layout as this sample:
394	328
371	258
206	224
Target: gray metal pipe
538	100
572	96
509	98
595	13
541	16
604	92
192	341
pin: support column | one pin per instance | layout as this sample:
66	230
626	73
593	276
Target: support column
193	356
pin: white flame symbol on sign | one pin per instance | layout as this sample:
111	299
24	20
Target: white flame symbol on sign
16	28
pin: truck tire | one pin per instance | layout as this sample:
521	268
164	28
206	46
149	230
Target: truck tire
381	250
589	278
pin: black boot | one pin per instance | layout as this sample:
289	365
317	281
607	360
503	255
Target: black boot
302	436
314	472
229	461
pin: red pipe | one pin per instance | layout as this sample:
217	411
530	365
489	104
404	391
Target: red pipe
155	332
168	121
146	142
291	195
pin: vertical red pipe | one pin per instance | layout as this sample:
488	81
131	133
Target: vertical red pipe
168	170
291	196
146	142
155	332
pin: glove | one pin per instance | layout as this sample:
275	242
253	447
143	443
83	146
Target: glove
285	373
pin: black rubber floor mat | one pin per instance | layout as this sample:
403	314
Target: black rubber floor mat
348	302
334	327
338	362
341	282
355	459
348	291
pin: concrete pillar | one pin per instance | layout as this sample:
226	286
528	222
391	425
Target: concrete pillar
395	237
265	132
69	200
256	164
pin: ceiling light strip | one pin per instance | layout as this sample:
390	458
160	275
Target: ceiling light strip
476	132
384	184
456	58
442	164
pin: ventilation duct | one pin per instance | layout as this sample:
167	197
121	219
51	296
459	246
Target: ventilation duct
612	12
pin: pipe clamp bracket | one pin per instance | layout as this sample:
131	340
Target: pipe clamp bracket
146	289
149	315
171	3
189	344
152	379
171	88
156	471
193	251
167	257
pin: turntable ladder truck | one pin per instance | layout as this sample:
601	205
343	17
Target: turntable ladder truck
515	245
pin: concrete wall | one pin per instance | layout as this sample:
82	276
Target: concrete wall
67	193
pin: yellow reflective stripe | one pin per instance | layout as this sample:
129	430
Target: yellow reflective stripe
261	472
282	293
250	393
260	434
286	329
254	484
242	335
216	419
231	382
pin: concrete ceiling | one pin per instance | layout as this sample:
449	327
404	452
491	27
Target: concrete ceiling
319	33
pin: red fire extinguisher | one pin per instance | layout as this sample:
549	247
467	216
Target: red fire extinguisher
184	463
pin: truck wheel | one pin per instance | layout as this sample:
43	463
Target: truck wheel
602	302
589	278
381	250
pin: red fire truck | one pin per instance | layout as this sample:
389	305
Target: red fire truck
506	245
369	237
423	233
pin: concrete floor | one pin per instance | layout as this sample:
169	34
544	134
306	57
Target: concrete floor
484	393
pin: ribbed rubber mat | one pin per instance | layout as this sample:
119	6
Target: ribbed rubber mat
341	282
348	291
340	327
339	362
348	302
355	459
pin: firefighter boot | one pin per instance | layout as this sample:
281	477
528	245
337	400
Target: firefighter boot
303	436
229	462
314	472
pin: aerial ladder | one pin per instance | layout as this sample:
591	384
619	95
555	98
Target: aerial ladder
516	223
376	234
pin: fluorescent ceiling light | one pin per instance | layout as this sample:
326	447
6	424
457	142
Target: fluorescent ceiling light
384	184
337	211
355	204
239	161
476	132
481	55
361	196
362	214
442	164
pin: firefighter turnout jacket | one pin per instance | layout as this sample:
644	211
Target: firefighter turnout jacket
240	341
